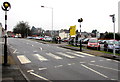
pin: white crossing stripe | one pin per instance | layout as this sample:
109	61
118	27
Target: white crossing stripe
23	59
54	56
85	54
41	58
63	54
75	54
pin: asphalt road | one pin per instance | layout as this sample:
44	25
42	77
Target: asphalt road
49	62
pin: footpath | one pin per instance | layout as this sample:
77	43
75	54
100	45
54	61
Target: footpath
10	72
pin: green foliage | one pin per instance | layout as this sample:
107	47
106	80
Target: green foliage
22	28
111	36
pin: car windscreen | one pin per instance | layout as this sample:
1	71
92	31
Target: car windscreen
112	42
93	41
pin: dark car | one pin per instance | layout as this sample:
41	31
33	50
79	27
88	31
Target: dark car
109	45
85	41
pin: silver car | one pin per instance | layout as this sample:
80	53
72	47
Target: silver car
109	46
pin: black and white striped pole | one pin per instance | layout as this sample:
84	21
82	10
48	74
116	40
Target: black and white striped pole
6	7
80	20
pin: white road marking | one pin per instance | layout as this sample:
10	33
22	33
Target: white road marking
40	76
23	59
42	69
75	54
41	58
94	71
82	62
63	54
40	48
85	54
30	71
92	61
100	60
58	66
108	59
27	43
34	51
32	45
103	67
113	79
115	61
69	64
15	51
54	56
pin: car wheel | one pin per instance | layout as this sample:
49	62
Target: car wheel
99	48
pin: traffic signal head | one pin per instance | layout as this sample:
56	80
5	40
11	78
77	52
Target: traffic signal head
80	20
6	6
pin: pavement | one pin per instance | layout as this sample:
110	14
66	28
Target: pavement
12	73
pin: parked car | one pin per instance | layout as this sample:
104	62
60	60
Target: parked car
65	40
29	37
85	41
109	46
47	39
93	43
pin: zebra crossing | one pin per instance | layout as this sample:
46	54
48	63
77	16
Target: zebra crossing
58	56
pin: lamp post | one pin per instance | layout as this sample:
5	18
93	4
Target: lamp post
113	20
52	18
6	7
80	20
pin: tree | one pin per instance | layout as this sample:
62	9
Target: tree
110	36
22	28
94	33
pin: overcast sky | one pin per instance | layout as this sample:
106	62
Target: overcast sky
95	14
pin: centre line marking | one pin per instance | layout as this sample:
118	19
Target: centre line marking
94	71
42	69
92	61
58	66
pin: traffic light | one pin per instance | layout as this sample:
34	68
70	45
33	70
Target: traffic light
80	20
6	6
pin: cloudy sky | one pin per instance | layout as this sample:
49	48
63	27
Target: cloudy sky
95	14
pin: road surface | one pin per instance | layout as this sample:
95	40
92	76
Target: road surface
49	62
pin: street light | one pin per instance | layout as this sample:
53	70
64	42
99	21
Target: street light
113	20
80	20
52	18
6	7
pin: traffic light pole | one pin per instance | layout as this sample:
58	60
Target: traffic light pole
6	7
5	45
80	20
80	39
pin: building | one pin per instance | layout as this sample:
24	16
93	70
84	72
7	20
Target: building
119	17
64	33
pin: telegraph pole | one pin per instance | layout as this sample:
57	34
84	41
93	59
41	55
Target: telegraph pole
6	7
